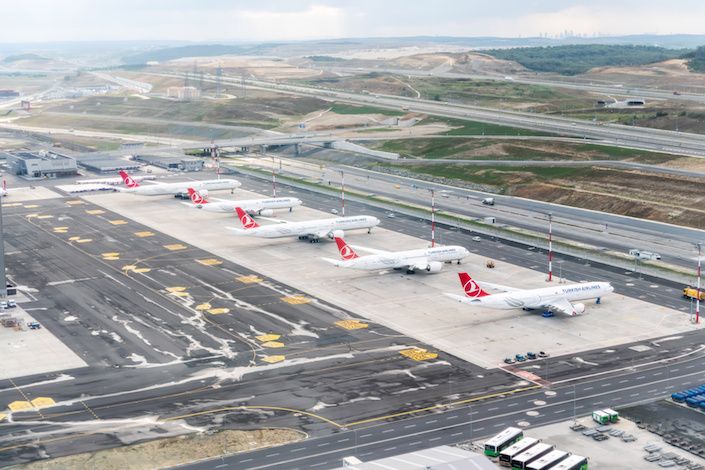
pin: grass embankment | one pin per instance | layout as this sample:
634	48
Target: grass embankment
340	108
498	149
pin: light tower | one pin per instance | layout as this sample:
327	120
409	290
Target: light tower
550	247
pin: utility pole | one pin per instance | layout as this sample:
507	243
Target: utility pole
3	280
433	218
342	192
697	292
274	179
550	247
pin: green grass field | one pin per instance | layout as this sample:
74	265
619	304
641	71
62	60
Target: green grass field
341	108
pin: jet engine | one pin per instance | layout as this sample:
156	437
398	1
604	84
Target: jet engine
203	193
579	308
265	212
336	233
434	266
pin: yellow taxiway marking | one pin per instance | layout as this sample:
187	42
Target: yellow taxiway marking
45	217
32	215
218	311
84	240
269	337
73	239
95	211
418	354
175	247
175	289
43	402
179	294
142	270
12	204
111	258
209	262
351	324
202	307
20	406
118	222
128	267
296	299
273	344
2	417
31	206
112	254
269	359
75	202
144	234
252	279
61	229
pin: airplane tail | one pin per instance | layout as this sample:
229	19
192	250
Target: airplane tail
128	180
245	219
471	288
346	252
196	197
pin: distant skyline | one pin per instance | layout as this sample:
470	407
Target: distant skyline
272	20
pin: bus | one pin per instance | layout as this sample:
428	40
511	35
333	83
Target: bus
548	461
574	462
505	457
502	440
521	461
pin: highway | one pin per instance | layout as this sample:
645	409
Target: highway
675	243
658	140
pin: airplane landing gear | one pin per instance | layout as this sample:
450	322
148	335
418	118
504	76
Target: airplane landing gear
410	271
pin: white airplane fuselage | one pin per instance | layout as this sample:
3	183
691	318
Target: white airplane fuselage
311	228
251	205
538	298
406	259
160	189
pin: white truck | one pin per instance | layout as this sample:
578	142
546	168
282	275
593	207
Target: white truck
644	254
488	201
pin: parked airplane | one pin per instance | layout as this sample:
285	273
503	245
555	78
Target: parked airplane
158	189
430	259
553	299
117	181
263	207
312	230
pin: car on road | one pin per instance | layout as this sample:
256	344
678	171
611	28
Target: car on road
543	354
390	215
531	355
476	239
509	360
520	358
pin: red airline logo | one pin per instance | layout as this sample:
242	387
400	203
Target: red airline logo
131	183
471	288
346	252
246	220
196	197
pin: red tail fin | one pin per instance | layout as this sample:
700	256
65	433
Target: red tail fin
471	288
345	251
131	183
246	220
196	197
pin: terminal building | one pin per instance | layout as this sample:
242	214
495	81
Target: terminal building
41	164
171	162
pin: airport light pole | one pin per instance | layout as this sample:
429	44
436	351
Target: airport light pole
550	247
342	192
697	291
274	179
433	218
3	280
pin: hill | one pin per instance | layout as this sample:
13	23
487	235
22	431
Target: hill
575	59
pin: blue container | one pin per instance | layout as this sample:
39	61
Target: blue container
701	405
691	402
678	397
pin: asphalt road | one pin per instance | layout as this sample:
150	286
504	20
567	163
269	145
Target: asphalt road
675	243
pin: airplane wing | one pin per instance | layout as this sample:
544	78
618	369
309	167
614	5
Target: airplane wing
416	263
278	221
370	250
499	287
561	305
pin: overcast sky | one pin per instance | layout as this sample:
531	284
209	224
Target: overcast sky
213	20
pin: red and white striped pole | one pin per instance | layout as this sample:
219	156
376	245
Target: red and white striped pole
433	218
697	298
550	247
342	193
274	179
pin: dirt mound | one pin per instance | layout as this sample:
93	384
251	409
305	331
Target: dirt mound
472	62
163	453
